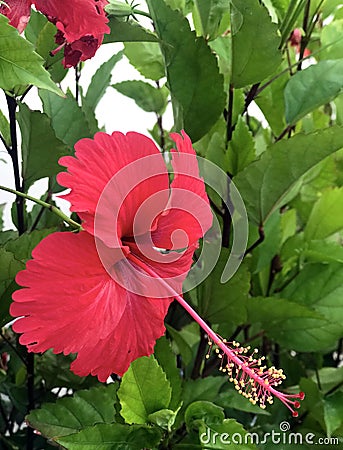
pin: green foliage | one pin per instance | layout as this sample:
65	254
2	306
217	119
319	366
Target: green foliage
10	266
302	92
211	17
112	437
20	65
147	97
67	118
147	58
41	149
268	183
191	70
253	35
143	391
127	31
70	415
231	73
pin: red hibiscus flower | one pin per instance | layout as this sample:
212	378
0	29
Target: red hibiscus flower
18	12
295	41
92	293
81	24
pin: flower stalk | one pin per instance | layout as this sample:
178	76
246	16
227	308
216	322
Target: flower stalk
51	208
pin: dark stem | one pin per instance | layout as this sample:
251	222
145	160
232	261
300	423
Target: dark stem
162	138
318	380
12	106
41	212
200	355
160	125
229	128
227	217
258	242
77	82
332	390
27	90
13	152
251	96
305	38
216	208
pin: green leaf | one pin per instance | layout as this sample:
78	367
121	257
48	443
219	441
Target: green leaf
204	411
20	65
40	147
322	251
71	414
333	412
225	302
44	45
147	58
205	389
253	35
292	325
35	26
165	418
100	81
167	360
143	391
112	436
226	435
67	118
182	344
331	38
319	287
127	31
302	93
242	148
192	70
211	15
265	184
9	267
147	97
326	217
22	246
5	129
272	104
55	370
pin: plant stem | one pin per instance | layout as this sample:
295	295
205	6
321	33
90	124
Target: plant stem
51	208
229	129
77	82
12	106
304	39
13	152
141	13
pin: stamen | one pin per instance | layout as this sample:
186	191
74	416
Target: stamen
252	380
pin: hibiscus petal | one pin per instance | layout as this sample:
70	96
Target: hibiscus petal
188	215
77	18
18	12
72	305
132	170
